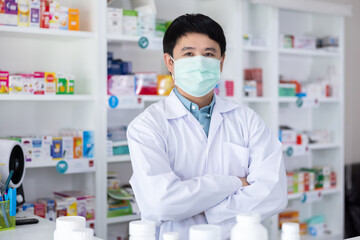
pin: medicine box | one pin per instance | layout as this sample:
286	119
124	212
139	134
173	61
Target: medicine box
114	20
4	82
50	208
27	83
146	83
146	21
46	150
121	85
35	13
23	13
70	84
78	147
165	84
11	13
54	15
27	207
39	209
44	13
37	148
68	147
85	203
64	18
61	84
56	149
287	136
2	12
26	144
74	19
130	22
61	207
89	144
50	83
70	202
39	83
15	84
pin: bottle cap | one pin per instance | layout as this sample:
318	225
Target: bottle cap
70	223
142	228
290	227
248	218
205	232
171	236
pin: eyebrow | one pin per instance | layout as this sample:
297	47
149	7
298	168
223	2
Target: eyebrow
192	48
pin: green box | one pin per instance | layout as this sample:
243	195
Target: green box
121	150
286	91
6	221
61	85
119	208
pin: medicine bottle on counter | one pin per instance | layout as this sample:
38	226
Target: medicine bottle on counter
290	231
205	232
248	227
142	230
171	236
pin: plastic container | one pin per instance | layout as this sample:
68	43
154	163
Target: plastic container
171	236
290	231
205	232
248	227
142	230
7	222
82	234
65	226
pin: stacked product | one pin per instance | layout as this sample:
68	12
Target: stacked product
37	83
309	42
253	86
38	14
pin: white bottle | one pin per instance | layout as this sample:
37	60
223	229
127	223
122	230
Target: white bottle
171	236
248	227
142	230
290	231
65	225
205	232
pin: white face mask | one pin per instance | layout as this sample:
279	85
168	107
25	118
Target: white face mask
198	75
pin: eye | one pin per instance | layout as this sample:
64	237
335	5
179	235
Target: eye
188	54
209	54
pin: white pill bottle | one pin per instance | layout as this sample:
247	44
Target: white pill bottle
142	230
171	236
249	227
205	232
290	231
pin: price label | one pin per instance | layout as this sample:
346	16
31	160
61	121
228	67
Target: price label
314	196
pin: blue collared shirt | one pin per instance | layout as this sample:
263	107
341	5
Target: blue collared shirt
203	115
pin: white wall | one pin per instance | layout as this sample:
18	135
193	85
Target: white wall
352	82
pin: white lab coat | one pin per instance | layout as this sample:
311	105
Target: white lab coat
180	173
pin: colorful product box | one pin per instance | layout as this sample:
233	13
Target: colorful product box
50	83
54	15
27	207
290	182
70	84
27	83
57	149
50	208
23	13
47	142
74	19
288	216
26	144
11	12
146	83
39	209
2	12
61	84
81	200
44	13
15	84
90	207
4	82
89	142
35	13
39	83
64	18
61	207
165	84
121	85
78	147
37	148
68	147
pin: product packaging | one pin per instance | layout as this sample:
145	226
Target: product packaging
39	83
61	207
2	12
68	147
78	147
15	84
130	24
35	13
61	84
70	84
27	83
288	216
146	83
50	208
4	82
23	13
50	83
47	144
121	85
27	207
37	148
74	19
39	209
26	144
64	18
114	20
165	84
89	142
57	149
45	13
11	13
147	21
54	13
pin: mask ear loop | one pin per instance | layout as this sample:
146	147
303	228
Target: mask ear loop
172	75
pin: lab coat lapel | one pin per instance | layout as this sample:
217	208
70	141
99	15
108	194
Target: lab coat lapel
216	120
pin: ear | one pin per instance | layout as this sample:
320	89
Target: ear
169	63
222	62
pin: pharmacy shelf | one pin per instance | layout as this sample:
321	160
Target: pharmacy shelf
335	236
257	100
323	146
152	98
81	165
321	100
296	196
256	48
119	159
15	97
116	38
302	52
123	219
8	31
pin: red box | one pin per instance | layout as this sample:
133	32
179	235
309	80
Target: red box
39	209
45	14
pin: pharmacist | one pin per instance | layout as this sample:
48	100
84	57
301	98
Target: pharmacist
198	158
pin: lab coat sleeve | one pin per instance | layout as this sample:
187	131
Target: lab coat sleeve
267	193
160	194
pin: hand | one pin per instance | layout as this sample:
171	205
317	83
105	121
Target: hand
244	181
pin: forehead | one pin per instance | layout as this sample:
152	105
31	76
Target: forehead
196	40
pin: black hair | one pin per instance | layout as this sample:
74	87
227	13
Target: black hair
193	23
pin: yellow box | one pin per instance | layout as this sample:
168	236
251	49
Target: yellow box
50	83
74	19
23	13
165	84
6	221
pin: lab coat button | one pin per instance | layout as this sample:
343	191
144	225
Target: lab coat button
193	107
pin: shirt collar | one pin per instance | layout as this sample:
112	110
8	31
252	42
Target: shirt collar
188	104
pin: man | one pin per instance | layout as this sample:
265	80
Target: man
197	158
